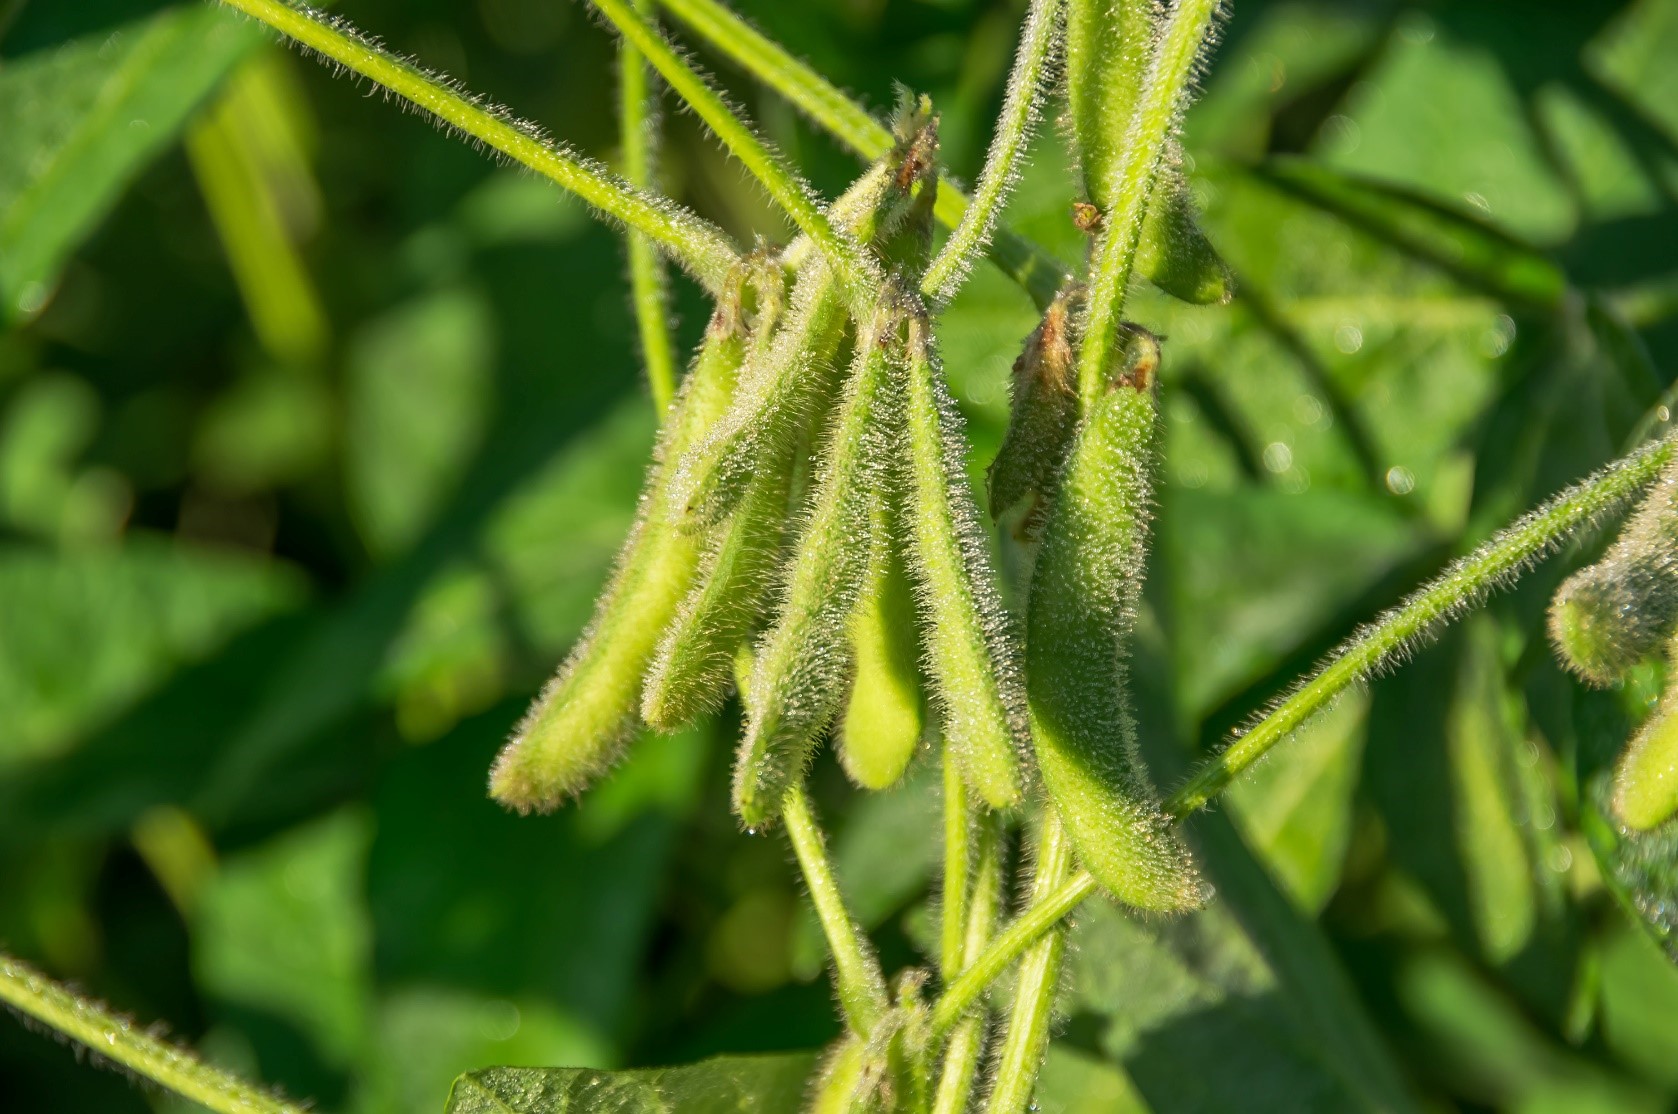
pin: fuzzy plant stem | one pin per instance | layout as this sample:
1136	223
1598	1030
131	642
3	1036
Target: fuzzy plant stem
117	1039
1183	33
1027	1036
967	1041
1033	268
1461	586
862	989
696	244
850	264
958	859
1446	596
1020	111
638	133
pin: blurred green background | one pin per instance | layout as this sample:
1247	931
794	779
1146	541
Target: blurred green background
318	432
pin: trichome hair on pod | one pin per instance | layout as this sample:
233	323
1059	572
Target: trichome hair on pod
1082	606
1610	616
804	658
1109	46
969	653
881	724
789	387
1042	417
581	720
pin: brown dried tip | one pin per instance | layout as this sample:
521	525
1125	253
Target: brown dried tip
1086	217
1139	358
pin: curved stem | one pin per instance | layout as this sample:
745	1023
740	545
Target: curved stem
1033	268
1447	595
638	132
696	244
1021	1055
862	989
844	254
1013	133
117	1039
1183	33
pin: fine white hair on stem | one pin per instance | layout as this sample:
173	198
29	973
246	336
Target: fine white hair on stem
1386	642
699	246
1021	109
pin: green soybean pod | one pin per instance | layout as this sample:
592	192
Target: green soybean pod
803	660
584	716
1646	779
1082	606
690	673
1043	414
975	679
1109	46
882	722
1610	616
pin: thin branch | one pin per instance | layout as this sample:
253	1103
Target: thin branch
862	989
1021	1055
967	1041
696	244
1033	268
1020	110
1461	586
638	132
958	851
850	264
1183	33
116	1038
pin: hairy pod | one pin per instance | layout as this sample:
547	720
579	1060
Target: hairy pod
1109	46
882	721
588	711
1610	616
1083	599
1646	779
848	1082
1043	415
804	658
975	678
781	394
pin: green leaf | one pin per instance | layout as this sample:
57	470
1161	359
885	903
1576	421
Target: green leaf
88	632
81	120
724	1085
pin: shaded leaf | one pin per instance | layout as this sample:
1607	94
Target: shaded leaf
724	1085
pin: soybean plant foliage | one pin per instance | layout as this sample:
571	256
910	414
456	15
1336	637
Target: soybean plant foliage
1069	555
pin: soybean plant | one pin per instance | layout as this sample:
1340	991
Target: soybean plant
807	540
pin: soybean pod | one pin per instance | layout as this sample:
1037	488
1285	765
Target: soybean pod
1082	607
586	714
882	721
802	661
975	679
1646	779
1109	46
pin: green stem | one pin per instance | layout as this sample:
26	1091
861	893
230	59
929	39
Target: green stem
850	264
958	850
638	132
1013	133
967	1041
862	989
1021	1055
1042	915
1157	110
118	1040
1459	587
1033	268
696	244
1447	595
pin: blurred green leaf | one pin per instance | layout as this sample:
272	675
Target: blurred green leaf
87	632
82	119
725	1085
1073	1082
